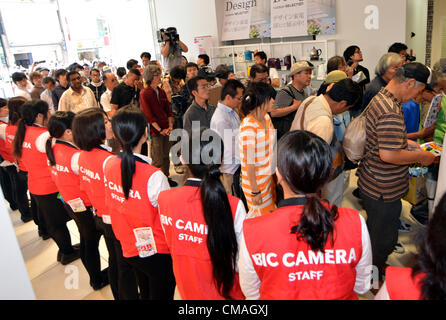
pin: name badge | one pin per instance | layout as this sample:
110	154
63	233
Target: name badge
77	205
145	242
106	219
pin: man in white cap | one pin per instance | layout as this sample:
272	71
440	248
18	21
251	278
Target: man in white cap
290	98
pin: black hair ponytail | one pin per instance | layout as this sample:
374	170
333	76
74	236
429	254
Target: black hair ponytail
30	111
304	161
129	125
127	169
221	239
58	123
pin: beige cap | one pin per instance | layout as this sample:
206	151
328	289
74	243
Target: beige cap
335	76
299	67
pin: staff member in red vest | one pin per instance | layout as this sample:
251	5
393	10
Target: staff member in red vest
132	186
306	249
29	146
203	226
19	179
8	172
426	280
62	156
91	127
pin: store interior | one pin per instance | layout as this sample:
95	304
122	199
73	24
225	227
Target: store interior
86	31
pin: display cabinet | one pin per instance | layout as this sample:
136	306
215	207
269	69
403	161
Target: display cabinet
241	57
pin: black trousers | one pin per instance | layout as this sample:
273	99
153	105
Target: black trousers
89	242
52	211
8	187
155	276
20	187
37	216
109	236
127	283
382	222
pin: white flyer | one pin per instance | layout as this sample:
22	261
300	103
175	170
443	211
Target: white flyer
145	242
434	109
77	205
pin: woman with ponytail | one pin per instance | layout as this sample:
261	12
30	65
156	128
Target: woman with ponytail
203	226
426	280
257	139
132	186
306	249
29	146
9	175
19	178
91	128
63	157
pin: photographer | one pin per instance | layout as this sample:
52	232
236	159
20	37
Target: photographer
401	49
171	49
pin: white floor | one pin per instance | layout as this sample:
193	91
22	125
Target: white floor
53	281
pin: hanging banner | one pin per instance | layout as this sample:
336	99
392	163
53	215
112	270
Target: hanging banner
248	19
288	18
321	16
237	19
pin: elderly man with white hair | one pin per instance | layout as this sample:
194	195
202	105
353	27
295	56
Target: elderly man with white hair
385	70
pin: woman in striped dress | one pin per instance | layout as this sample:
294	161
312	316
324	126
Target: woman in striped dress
257	142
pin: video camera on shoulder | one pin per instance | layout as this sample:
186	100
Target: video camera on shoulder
410	58
170	33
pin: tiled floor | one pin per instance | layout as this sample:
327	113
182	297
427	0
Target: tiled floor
51	280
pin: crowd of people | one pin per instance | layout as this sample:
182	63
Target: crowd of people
259	212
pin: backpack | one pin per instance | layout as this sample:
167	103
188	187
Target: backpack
355	138
283	124
337	163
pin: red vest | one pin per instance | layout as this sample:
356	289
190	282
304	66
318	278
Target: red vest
137	211
4	150
39	173
66	180
289	270
91	176
186	234
10	134
400	284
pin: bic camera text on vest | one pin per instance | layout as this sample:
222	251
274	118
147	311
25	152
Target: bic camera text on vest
186	226
290	260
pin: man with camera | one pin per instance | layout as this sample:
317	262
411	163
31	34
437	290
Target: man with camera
171	48
401	49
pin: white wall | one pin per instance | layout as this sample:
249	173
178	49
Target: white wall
437	34
351	30
417	23
192	18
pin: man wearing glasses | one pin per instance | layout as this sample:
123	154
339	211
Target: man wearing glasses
353	56
77	97
200	112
